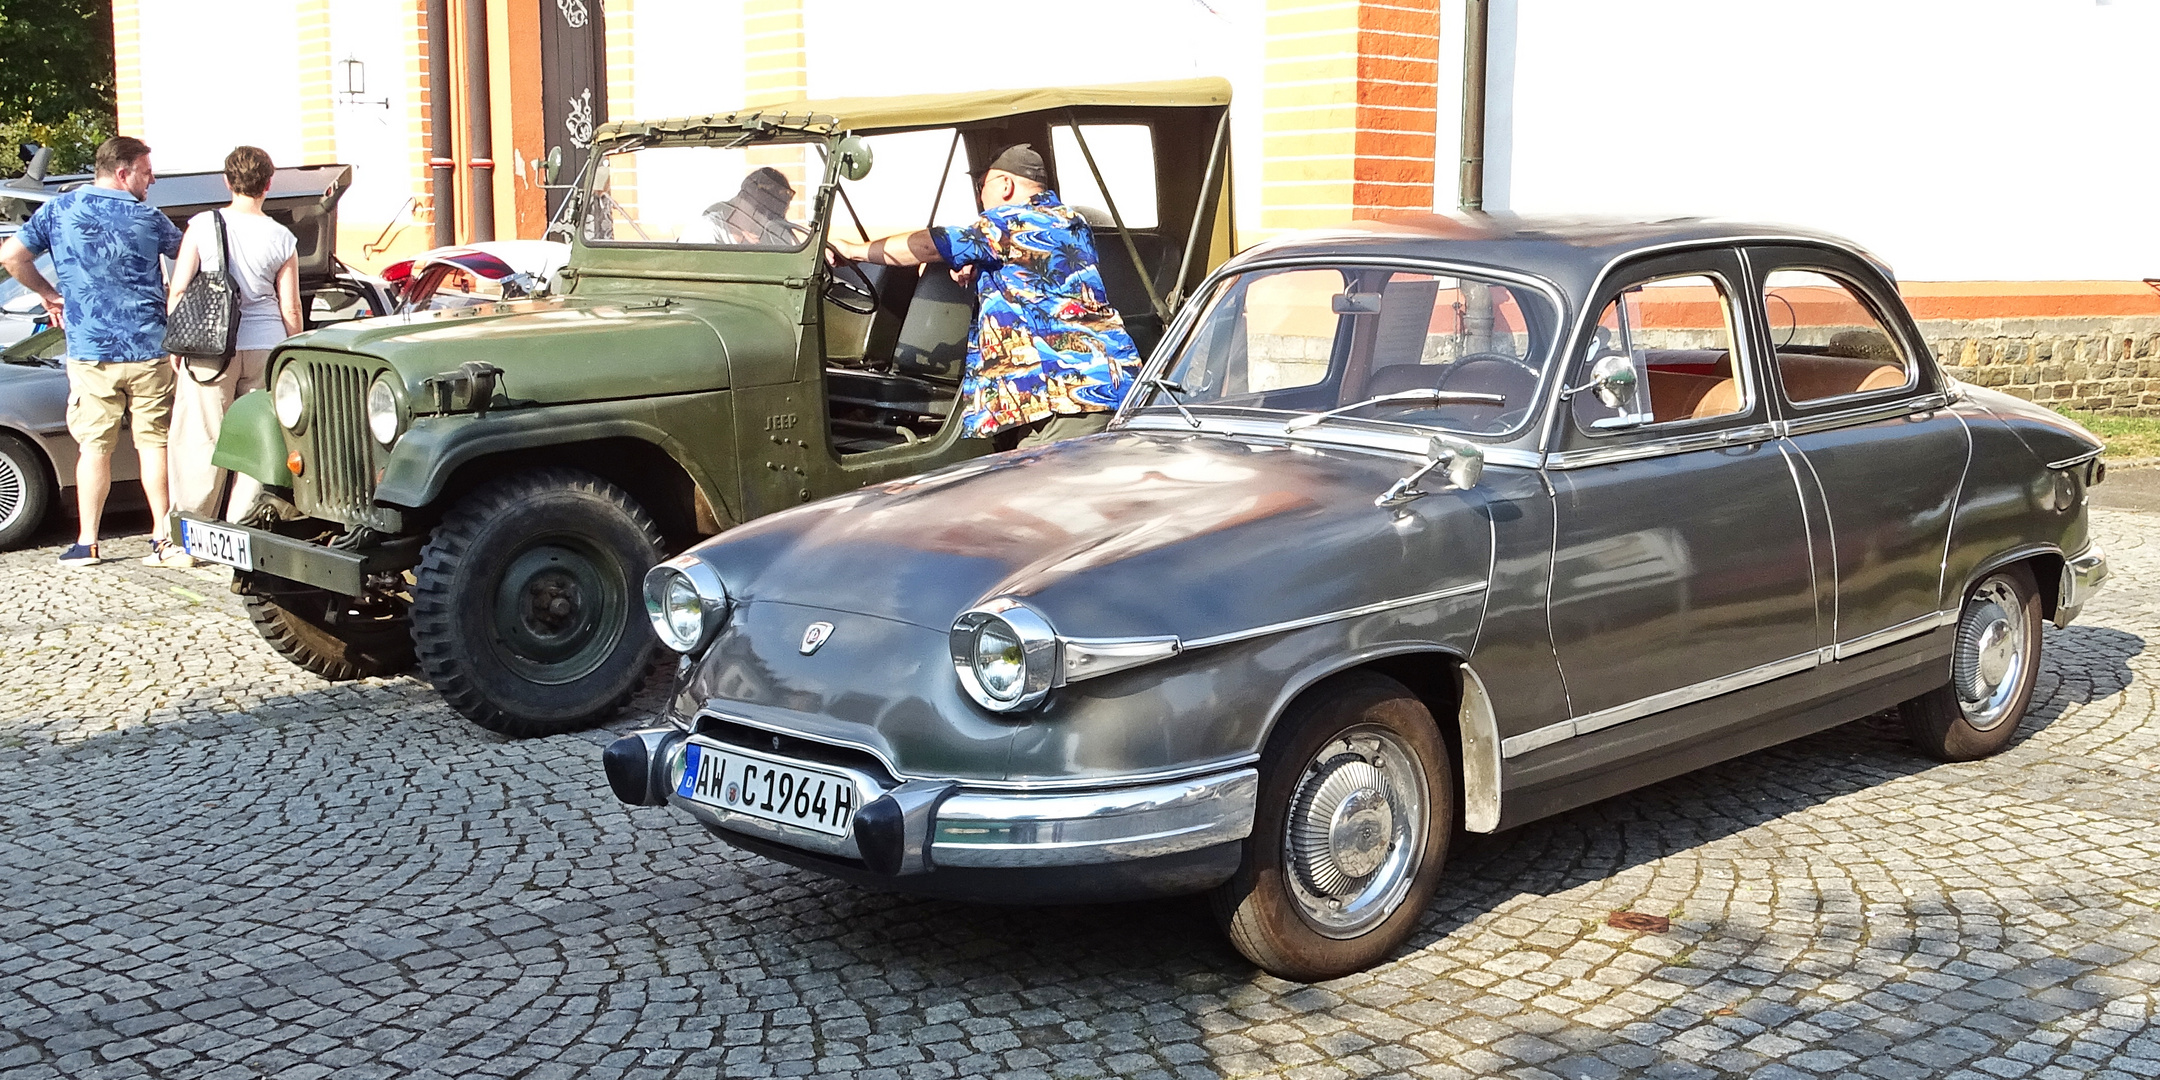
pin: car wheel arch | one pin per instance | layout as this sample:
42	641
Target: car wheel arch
2046	562
650	472
1444	681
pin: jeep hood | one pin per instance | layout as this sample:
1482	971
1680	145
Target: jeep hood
559	350
1119	534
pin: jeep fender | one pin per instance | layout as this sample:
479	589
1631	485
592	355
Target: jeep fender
251	442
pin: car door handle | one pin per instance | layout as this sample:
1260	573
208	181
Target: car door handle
1754	434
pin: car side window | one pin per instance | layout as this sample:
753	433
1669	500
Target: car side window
1828	339
1675	336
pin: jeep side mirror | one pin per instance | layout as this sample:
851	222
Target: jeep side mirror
551	166
854	157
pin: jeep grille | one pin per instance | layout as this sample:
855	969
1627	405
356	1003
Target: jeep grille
340	457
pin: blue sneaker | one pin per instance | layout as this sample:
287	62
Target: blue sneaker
80	555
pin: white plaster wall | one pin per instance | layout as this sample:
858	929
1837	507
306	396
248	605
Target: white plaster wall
218	74
1958	139
377	141
689	58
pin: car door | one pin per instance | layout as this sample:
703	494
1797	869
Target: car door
1872	426
1682	566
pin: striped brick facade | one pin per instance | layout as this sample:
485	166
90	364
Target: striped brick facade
127	66
1350	110
318	120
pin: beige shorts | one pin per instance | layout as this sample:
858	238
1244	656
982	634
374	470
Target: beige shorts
99	393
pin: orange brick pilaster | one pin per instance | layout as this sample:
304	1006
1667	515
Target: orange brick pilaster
1349	111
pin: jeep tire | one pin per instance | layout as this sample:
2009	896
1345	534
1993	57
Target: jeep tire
355	644
526	608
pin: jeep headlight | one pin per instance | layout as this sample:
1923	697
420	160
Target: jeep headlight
382	409
288	397
686	602
1004	654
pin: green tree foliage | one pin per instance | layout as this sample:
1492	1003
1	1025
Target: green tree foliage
56	80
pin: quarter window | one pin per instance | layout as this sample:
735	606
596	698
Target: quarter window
1828	339
1676	333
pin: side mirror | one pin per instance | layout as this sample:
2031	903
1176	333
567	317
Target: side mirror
1465	462
1612	378
551	166
854	157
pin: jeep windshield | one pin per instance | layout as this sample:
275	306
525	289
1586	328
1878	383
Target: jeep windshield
757	196
1307	340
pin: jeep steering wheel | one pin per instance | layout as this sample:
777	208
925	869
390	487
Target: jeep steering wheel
859	296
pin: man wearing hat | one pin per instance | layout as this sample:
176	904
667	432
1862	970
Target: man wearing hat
756	215
1048	358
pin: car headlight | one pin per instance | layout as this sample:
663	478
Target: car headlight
382	409
686	602
286	395
1005	654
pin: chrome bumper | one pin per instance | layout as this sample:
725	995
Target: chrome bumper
2082	576
974	828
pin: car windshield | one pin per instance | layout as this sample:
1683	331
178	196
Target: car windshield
15	297
1312	339
748	197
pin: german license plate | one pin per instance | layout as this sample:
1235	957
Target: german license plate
761	787
216	543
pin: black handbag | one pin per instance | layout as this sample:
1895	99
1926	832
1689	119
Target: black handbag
205	324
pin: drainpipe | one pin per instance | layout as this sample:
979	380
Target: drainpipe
480	136
1472	181
442	166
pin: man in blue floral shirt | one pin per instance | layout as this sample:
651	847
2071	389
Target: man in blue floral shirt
105	246
1048	357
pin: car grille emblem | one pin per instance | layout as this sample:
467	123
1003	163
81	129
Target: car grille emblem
815	636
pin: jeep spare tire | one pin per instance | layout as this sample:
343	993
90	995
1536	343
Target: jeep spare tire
525	603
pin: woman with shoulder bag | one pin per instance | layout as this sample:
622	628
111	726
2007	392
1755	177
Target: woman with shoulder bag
260	259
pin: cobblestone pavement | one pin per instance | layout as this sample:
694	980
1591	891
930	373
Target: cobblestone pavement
214	865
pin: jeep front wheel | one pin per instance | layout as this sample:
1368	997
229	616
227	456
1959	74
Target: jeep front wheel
525	602
325	633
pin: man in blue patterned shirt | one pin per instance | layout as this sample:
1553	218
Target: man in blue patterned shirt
1048	357
105	244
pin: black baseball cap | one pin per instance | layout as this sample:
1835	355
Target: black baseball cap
1021	160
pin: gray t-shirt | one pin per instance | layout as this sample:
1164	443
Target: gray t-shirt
260	247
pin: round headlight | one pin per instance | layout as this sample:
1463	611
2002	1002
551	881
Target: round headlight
686	603
382	409
1005	655
1000	665
285	396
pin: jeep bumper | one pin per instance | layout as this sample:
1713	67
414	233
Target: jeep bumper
340	570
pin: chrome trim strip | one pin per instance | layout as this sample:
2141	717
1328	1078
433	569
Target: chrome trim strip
2076	459
1086	658
1804	425
1679	444
1517	745
979	829
1891	634
1480	755
1335	616
1391	442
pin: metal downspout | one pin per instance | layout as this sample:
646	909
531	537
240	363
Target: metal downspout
478	123
441	165
1472	180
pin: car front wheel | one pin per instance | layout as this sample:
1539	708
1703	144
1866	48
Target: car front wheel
1994	663
525	604
1357	803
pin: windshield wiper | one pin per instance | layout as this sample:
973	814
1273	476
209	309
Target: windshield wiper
1171	390
1402	397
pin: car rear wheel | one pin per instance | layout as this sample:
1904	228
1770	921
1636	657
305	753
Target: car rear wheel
1994	663
26	491
525	603
1357	803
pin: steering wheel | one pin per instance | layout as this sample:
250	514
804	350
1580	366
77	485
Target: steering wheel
1501	374
859	296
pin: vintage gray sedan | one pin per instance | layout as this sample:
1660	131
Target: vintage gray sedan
1411	526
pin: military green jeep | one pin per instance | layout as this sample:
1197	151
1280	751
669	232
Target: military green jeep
482	490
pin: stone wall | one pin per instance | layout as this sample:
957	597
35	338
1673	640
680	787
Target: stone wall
2101	364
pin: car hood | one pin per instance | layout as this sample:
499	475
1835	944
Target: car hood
1120	534
561	349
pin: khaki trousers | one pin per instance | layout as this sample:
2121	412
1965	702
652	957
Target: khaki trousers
198	415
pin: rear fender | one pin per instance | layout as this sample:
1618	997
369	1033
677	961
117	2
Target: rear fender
251	442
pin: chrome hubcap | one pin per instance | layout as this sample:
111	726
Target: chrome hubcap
13	491
1356	831
1993	652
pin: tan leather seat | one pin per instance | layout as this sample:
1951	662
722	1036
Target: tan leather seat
1680	395
1809	377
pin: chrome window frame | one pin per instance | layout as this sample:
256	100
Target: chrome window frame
1846	408
1742	356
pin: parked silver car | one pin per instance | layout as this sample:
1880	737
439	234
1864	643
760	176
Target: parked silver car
1411	526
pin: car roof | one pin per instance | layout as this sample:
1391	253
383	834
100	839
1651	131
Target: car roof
1570	252
932	110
